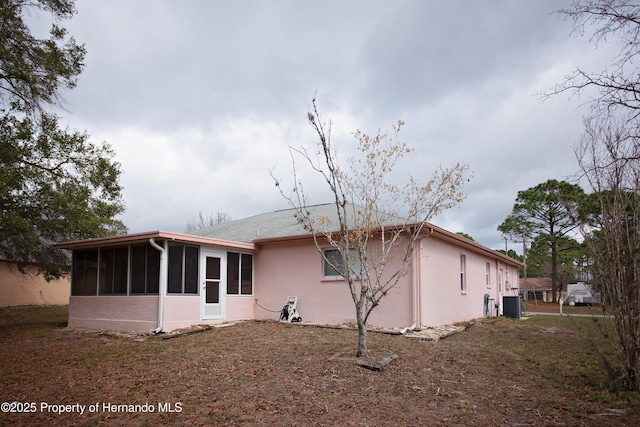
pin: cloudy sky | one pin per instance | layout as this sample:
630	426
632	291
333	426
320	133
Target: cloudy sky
200	99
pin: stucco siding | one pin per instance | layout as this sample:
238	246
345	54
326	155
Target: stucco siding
183	311
442	301
120	313
31	288
240	308
284	270
140	313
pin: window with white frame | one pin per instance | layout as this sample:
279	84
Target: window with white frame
333	263
463	265
487	274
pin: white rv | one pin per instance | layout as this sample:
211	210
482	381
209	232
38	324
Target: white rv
581	293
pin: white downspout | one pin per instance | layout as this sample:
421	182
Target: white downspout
418	285
415	277
162	285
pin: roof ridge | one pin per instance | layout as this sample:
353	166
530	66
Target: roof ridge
306	206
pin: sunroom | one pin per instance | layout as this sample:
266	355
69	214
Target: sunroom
159	281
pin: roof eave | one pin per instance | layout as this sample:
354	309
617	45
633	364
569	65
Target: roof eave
477	247
441	234
145	236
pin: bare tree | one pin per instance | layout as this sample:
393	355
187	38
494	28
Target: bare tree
377	222
609	157
201	220
610	161
616	87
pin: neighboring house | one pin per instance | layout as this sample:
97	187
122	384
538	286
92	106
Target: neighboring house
248	268
30	288
539	289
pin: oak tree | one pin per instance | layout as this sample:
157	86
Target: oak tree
55	184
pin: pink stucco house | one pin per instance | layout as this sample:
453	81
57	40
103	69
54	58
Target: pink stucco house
248	268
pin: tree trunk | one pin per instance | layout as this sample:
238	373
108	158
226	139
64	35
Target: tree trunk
554	272
362	331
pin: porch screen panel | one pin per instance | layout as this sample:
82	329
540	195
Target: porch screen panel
183	269
120	270
114	264
153	270
138	267
84	276
78	274
191	258
233	273
106	271
246	274
145	269
91	286
174	282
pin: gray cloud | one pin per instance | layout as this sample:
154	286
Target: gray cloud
201	98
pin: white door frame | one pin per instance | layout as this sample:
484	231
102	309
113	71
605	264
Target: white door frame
210	311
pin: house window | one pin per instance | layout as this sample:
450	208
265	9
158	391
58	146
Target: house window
182	276
535	295
145	269
84	275
463	284
239	274
487	274
114	270
500	274
333	264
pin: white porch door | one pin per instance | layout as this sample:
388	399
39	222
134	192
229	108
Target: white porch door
214	272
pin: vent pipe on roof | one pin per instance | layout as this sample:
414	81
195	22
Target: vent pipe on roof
162	284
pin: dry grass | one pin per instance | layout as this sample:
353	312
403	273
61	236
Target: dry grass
540	371
547	307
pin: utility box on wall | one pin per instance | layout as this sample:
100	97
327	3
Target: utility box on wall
512	307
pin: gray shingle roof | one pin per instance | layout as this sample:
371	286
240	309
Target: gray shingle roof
280	223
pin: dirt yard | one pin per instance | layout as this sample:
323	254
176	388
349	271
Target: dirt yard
498	372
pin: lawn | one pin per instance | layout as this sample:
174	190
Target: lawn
544	370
